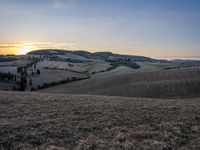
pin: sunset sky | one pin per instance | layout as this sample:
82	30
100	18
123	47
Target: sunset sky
157	28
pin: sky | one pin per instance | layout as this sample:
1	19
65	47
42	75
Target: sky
165	29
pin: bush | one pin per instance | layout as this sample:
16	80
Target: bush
39	87
53	83
73	79
45	85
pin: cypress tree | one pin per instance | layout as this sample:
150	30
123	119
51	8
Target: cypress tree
30	83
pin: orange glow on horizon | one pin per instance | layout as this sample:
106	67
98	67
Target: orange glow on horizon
17	48
25	49
7	52
21	48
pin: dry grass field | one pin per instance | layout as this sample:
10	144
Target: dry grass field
58	121
53	75
173	83
89	67
46	76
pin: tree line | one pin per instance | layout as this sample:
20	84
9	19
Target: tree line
8	76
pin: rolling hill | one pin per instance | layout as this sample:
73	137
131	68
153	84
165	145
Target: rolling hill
175	83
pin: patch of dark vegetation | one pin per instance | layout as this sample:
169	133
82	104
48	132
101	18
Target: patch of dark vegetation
8	77
182	65
55	68
122	62
55	83
168	68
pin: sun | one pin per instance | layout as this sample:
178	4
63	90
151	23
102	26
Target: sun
25	48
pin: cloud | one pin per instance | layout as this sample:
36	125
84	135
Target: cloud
39	45
67	44
57	4
63	5
105	43
23	48
137	42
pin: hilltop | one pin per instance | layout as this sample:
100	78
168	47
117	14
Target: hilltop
96	55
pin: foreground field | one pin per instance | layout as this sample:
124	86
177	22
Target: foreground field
47	121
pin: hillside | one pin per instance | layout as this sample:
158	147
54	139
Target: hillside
173	83
47	121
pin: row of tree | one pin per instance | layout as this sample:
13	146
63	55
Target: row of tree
8	76
23	71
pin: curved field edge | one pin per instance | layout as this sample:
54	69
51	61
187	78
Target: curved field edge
59	121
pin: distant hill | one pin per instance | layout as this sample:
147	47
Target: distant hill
7	59
57	52
130	57
183	61
96	55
